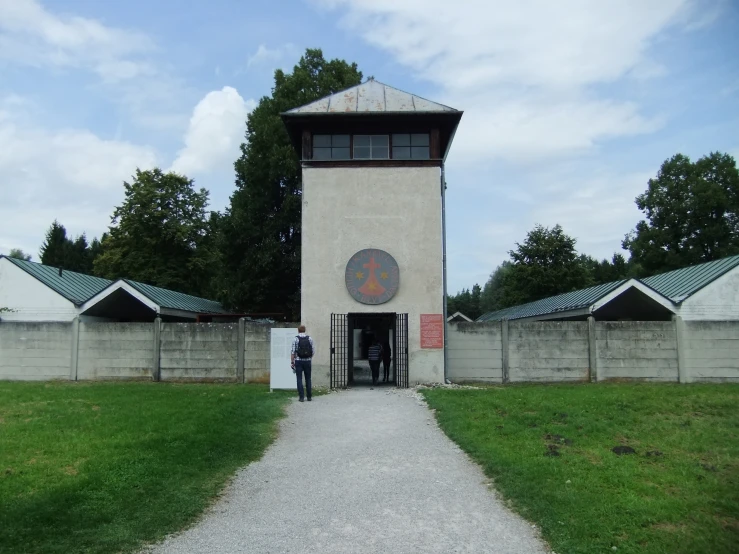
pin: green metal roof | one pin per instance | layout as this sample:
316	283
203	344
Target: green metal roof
75	287
680	284
79	288
566	302
677	286
177	300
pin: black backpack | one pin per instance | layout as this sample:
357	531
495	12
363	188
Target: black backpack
305	350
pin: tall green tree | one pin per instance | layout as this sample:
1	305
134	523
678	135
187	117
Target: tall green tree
19	254
493	293
545	264
259	238
55	246
59	250
608	271
466	301
692	214
156	234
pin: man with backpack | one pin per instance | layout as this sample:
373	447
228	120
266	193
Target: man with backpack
302	352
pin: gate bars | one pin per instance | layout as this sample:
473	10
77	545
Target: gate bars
339	351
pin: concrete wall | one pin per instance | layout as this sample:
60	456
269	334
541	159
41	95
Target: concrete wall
719	301
637	350
29	298
198	351
35	351
489	352
475	352
393	209
685	351
548	351
257	355
711	350
115	351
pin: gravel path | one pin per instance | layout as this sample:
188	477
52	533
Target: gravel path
359	471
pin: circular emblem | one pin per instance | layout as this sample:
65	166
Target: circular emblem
372	276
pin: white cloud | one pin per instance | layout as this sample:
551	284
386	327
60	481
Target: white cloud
269	55
32	35
525	72
72	175
215	132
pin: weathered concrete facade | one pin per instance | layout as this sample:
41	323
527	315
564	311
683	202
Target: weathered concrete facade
684	351
114	351
35	351
77	351
395	209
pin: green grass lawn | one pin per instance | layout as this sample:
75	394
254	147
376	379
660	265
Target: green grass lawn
104	467
548	450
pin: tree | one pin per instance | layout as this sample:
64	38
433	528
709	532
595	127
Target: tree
466	302
259	238
156	233
19	254
58	250
546	264
491	298
605	271
54	248
692	212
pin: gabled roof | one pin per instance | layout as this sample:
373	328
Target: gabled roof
566	302
459	315
177	300
75	287
680	284
676	286
371	97
79	288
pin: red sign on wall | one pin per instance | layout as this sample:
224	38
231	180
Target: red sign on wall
432	331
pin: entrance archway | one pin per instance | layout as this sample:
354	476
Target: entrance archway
351	336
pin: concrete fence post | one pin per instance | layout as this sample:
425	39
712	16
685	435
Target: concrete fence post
592	352
240	373
156	368
683	375
74	356
504	349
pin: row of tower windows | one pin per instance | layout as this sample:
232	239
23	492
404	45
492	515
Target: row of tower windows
412	146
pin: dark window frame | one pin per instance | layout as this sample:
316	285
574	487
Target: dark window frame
390	147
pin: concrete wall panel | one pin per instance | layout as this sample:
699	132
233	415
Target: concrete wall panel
637	350
548	351
475	352
115	351
199	351
35	351
712	350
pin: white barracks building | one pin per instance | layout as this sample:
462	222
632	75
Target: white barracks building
373	230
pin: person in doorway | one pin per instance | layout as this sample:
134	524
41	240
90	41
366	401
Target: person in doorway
386	361
300	360
374	355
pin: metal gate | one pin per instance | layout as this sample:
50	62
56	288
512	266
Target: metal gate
339	351
401	350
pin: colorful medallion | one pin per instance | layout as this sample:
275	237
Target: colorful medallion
372	276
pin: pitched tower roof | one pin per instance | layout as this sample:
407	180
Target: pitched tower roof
371	97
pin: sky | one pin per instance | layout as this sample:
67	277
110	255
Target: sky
569	106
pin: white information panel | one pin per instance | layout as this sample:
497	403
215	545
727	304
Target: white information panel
281	375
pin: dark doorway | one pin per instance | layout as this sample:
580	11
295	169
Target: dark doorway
351	336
